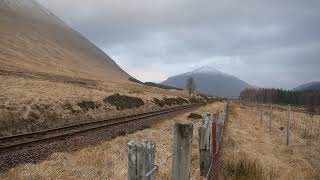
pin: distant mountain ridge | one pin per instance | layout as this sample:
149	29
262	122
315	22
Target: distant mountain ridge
312	86
210	81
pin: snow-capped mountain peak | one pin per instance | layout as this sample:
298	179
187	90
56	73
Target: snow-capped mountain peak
207	70
210	81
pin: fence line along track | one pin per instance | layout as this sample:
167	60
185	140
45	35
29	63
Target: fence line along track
314	110
17	141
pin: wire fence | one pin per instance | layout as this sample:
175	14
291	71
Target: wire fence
302	122
216	160
141	160
163	162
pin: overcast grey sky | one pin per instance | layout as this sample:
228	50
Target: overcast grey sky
268	43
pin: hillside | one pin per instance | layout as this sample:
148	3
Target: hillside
313	86
210	81
52	76
33	40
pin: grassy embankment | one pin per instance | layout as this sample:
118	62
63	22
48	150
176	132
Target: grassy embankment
109	159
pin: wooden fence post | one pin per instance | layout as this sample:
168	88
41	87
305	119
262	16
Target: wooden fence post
219	126
218	131
270	117
181	164
214	141
318	129
215	128
204	144
261	114
141	158
288	125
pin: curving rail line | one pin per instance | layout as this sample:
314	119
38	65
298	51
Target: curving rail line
21	140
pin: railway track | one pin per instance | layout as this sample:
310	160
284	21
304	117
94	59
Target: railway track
22	140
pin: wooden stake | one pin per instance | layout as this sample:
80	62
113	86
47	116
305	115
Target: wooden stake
261	114
300	125
288	125
204	145
318	129
270	117
306	125
293	122
214	145
181	163
141	158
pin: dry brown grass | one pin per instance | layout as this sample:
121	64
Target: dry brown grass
29	104
109	159
304	128
247	137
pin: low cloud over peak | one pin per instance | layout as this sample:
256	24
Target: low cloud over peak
266	43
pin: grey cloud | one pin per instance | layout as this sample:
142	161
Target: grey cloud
275	43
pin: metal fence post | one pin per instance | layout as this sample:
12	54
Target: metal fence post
141	158
181	164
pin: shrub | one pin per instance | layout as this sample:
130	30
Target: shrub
196	100
122	102
175	101
170	101
158	102
194	116
181	101
67	106
208	99
87	105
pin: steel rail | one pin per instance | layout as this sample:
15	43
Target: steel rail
21	140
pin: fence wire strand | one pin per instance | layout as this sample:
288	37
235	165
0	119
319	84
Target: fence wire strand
213	172
303	123
215	160
163	162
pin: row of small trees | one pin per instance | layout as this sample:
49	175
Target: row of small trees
280	96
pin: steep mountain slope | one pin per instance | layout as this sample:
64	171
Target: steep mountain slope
313	86
210	81
33	40
51	76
